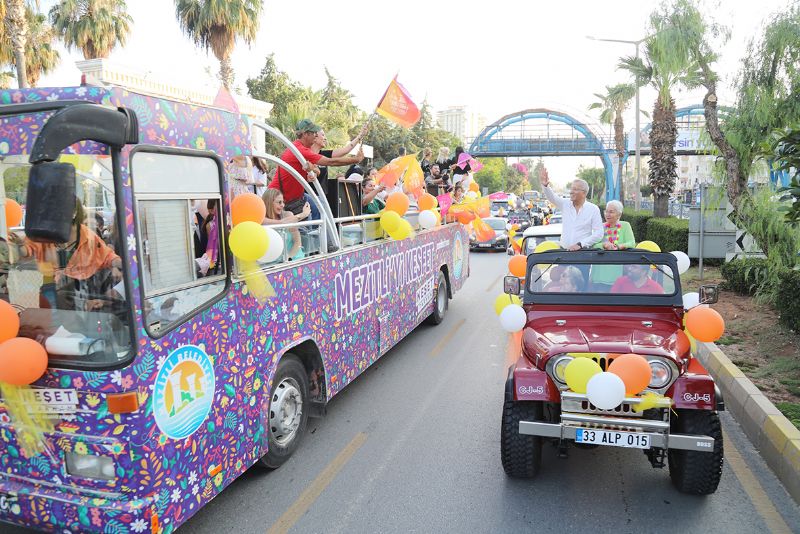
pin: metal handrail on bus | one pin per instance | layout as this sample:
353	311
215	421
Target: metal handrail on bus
319	198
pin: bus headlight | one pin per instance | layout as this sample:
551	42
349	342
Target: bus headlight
660	374
90	466
559	368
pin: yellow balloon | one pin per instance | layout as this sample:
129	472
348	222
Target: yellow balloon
649	245
81	162
544	246
249	241
504	300
692	340
578	373
512	233
390	221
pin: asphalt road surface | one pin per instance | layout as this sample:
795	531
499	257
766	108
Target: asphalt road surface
413	446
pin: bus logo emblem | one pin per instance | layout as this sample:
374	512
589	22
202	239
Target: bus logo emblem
184	392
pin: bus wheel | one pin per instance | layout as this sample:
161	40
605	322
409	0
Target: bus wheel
288	411
440	301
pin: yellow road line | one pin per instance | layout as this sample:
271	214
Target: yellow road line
753	488
446	339
491	286
313	491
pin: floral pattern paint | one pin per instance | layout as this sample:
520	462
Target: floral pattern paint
164	473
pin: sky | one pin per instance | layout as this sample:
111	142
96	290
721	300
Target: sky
496	57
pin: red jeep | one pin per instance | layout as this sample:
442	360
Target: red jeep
601	304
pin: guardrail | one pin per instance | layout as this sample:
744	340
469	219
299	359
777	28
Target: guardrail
676	209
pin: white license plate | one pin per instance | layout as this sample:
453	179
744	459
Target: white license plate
612	438
6	501
485	245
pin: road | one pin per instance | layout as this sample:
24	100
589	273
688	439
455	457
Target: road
413	446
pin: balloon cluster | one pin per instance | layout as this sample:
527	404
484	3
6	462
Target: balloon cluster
628	375
392	220
428	215
250	242
23	361
471	211
509	307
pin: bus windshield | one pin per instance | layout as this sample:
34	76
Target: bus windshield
70	296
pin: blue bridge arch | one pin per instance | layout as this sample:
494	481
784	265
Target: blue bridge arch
495	141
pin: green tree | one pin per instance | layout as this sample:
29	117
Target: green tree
96	27
596	178
515	181
784	149
216	24
612	105
16	27
491	176
41	57
665	66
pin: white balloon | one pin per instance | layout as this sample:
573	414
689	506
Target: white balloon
513	318
690	300
683	261
427	219
275	248
605	390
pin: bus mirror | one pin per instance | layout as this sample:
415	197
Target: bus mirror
709	294
50	205
511	285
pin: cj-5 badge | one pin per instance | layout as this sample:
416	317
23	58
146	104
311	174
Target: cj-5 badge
184	392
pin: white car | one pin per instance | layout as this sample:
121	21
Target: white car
538	234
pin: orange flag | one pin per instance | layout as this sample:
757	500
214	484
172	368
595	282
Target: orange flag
483	232
414	179
397	106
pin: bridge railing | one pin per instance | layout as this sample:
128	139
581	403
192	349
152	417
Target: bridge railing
536	146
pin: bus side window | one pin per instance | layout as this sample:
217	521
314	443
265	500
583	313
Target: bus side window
179	222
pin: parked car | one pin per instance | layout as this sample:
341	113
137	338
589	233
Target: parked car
569	316
500	239
535	235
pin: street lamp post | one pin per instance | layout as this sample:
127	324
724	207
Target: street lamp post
638	197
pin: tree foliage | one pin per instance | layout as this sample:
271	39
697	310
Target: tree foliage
96	27
41	57
784	149
596	178
612	105
216	24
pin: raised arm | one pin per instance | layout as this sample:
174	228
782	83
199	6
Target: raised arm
341	160
544	178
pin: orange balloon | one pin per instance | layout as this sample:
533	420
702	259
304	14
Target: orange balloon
683	344
397	202
22	361
473	186
248	207
427	202
705	324
634	372
465	217
517	265
9	321
13	213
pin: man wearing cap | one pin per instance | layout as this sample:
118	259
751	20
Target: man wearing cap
294	194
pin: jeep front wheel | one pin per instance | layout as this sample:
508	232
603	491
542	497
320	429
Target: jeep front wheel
521	454
696	472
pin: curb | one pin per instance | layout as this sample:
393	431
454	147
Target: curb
775	437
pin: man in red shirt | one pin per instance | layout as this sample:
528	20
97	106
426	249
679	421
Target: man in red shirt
293	193
637	280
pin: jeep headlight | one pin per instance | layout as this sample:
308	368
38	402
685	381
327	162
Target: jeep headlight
660	374
90	466
559	368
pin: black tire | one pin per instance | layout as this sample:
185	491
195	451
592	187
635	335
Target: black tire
521	454
440	301
695	472
290	391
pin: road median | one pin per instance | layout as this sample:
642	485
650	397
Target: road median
775	437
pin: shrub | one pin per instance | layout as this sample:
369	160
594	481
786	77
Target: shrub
745	276
787	300
669	233
638	221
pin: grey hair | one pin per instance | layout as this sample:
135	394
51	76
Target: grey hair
616	205
583	183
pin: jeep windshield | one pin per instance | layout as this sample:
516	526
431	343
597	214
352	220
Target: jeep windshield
70	296
568	275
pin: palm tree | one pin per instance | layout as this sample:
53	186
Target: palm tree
612	106
666	65
94	26
216	24
40	55
17	30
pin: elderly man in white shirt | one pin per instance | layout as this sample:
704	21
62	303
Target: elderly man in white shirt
582	225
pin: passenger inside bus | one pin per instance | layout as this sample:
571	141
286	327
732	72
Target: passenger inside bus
207	238
370	203
276	214
636	279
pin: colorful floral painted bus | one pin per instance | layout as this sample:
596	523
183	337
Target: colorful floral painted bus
166	379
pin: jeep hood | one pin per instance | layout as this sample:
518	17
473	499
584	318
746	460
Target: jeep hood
637	333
